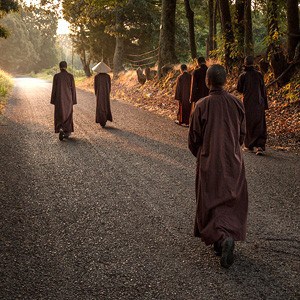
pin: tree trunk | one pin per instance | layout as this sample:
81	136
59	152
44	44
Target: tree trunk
118	56
293	27
211	36
167	53
249	46
275	53
240	26
216	10
190	17
119	48
85	64
227	31
273	28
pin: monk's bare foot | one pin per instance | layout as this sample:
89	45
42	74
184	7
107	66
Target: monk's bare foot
259	151
227	257
177	122
61	134
245	149
185	125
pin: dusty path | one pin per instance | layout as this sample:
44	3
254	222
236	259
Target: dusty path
109	213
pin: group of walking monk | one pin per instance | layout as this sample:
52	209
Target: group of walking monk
219	124
64	97
192	87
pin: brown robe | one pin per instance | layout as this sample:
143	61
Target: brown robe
63	97
182	94
251	85
102	87
198	86
216	133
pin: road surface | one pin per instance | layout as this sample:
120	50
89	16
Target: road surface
108	214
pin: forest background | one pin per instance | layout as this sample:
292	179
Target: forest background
160	34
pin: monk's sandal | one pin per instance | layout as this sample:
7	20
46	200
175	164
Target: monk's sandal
61	134
227	257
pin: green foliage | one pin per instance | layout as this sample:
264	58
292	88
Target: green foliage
4	33
31	44
94	26
6	85
48	74
6	6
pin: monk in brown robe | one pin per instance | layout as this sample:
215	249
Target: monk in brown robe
102	87
251	85
182	94
216	133
63	97
198	86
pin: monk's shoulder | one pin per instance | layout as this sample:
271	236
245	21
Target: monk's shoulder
242	75
70	75
236	100
185	76
259	74
203	102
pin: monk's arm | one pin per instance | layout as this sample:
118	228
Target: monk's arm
240	84
74	97
109	83
95	85
53	94
242	129
264	93
178	91
195	132
193	88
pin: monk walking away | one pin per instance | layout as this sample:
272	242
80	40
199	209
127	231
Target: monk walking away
198	86
102	87
63	98
251	85
182	94
216	133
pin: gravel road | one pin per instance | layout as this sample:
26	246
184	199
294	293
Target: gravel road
108	214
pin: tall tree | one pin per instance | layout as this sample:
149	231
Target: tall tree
227	31
167	53
212	28
273	27
18	55
293	27
119	48
275	52
240	26
249	46
190	17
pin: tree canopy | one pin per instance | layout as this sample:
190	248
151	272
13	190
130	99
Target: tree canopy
31	45
6	6
133	33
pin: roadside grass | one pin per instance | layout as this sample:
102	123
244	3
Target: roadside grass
6	84
47	74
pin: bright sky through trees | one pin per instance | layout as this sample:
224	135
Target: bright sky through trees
63	25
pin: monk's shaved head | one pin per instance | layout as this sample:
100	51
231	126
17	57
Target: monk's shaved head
216	76
249	60
63	65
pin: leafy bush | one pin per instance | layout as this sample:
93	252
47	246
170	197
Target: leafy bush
6	85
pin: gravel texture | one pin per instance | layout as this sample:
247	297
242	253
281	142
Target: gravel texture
108	214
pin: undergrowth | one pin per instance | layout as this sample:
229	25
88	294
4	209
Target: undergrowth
6	84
